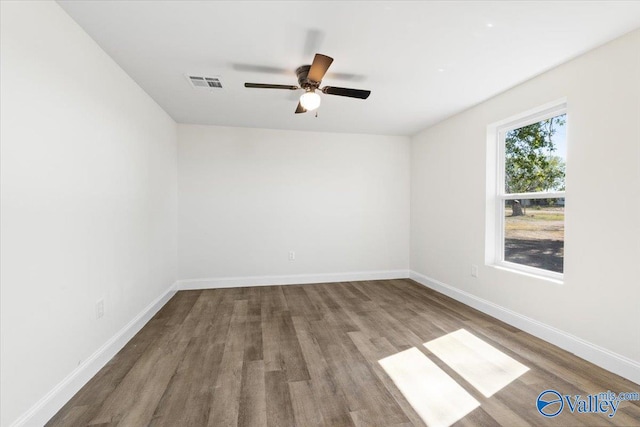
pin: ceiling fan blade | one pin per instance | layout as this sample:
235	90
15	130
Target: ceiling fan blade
250	68
269	86
343	91
313	41
345	76
319	67
300	109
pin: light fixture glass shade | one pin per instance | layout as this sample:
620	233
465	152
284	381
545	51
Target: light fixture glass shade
310	100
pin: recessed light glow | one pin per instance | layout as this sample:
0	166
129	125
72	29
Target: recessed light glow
441	70
489	25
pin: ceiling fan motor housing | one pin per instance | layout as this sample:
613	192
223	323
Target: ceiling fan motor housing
302	72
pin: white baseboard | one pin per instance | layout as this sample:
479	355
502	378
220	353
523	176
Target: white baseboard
616	363
52	402
295	279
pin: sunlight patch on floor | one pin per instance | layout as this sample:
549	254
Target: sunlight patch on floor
483	366
436	397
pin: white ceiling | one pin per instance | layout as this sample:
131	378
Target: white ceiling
423	61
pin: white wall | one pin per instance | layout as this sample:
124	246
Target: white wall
249	196
600	299
88	200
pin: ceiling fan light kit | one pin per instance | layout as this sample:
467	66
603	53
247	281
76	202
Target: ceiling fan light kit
310	100
309	79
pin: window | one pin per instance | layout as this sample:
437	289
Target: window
529	192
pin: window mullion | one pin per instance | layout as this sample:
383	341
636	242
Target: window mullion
538	195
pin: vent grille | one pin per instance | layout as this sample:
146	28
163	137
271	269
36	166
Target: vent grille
199	82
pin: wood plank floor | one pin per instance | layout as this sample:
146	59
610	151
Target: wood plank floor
308	355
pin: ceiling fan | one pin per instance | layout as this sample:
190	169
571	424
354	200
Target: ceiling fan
309	79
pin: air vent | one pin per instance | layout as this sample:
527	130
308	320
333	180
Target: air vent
199	82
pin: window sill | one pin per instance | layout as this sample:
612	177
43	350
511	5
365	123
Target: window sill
535	273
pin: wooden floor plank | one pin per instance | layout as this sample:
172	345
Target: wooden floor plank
281	347
309	355
306	412
225	404
300	304
374	352
279	409
253	338
334	409
253	405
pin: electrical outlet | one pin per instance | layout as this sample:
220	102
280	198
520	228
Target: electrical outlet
474	270
292	256
99	308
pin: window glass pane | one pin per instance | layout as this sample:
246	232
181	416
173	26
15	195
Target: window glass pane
535	156
534	233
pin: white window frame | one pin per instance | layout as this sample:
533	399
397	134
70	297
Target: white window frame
496	192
